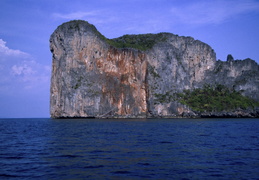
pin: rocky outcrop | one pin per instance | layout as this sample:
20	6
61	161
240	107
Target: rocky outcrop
93	77
240	75
238	113
174	65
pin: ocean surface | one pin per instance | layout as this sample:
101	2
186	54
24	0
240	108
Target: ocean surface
129	149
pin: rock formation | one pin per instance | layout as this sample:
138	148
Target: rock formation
93	76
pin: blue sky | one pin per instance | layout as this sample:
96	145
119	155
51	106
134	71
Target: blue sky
228	26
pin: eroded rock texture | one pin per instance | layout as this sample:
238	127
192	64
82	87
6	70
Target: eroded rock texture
93	78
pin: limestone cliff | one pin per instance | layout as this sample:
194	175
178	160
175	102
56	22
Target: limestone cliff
93	76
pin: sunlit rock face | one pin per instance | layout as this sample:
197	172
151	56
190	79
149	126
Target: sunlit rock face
175	64
93	78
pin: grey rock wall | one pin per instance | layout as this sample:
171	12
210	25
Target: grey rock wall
240	75
92	78
174	65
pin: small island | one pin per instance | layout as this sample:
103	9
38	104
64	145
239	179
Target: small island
146	76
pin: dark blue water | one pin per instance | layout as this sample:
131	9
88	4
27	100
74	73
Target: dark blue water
129	149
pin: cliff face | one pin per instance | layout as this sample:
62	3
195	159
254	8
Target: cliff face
174	65
93	78
241	75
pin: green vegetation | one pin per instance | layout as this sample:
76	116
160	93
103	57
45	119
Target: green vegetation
152	71
209	99
164	98
141	42
215	99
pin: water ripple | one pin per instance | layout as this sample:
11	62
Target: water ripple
125	149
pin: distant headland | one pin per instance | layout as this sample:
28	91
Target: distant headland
146	76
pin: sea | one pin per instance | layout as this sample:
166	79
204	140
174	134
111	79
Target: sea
44	148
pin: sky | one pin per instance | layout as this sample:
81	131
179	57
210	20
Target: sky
228	26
